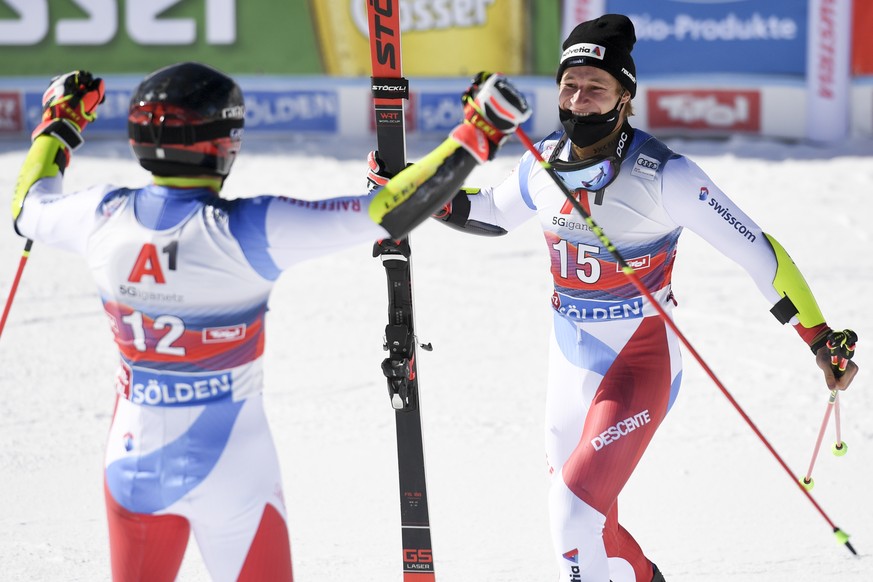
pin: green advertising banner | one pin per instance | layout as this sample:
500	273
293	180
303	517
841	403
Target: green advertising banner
271	37
46	37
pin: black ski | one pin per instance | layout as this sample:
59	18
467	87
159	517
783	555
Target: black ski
400	367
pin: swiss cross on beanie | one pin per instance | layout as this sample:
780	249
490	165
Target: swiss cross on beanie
605	43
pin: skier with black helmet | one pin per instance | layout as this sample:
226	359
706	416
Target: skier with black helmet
185	277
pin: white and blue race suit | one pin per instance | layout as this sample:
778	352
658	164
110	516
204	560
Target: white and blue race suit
615	366
185	278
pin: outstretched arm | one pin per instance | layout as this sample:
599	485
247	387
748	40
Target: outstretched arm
493	110
455	212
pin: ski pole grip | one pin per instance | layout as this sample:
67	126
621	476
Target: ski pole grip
841	345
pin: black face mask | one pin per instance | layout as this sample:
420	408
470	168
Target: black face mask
589	129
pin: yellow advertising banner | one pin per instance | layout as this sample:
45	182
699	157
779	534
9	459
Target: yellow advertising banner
440	37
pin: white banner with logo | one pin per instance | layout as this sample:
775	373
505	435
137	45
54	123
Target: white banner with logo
827	70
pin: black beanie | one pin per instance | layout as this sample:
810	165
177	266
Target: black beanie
605	43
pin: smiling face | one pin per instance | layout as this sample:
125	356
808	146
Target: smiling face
589	91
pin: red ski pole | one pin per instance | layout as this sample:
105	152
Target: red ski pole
841	345
23	261
807	480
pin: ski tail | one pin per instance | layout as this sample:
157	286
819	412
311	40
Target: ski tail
390	90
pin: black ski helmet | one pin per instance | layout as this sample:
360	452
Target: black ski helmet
186	119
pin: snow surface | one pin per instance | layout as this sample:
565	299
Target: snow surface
708	502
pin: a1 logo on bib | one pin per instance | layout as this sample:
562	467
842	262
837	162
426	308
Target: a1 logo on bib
148	264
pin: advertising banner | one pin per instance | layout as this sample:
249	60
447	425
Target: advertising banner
716	111
677	37
440	37
862	40
297	111
282	107
575	11
276	111
11	115
730	36
827	75
42	37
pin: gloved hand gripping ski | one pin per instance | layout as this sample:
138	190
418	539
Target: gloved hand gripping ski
377	174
